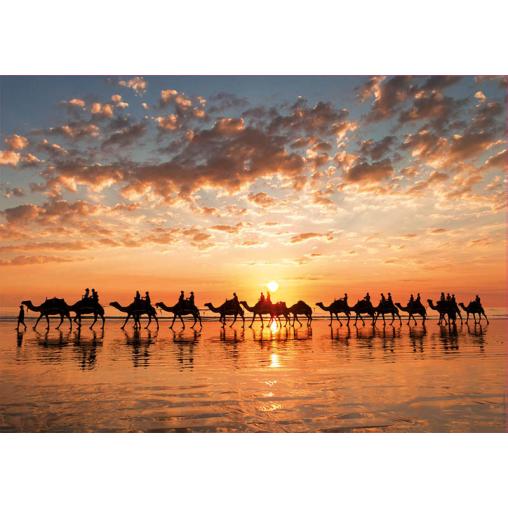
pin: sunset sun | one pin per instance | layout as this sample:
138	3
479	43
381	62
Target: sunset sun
273	286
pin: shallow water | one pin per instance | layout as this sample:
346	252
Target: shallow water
394	379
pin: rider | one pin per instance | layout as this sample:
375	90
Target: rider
147	298
86	295
448	297
181	298
383	299
268	297
235	298
345	298
262	298
95	296
418	298
367	297
477	300
442	299
390	298
411	299
191	298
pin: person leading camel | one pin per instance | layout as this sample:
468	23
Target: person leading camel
21	317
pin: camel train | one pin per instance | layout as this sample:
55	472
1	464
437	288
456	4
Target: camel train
363	309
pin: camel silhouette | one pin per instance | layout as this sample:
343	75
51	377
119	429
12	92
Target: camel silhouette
412	308
336	307
363	307
300	307
135	310
87	306
445	308
474	308
387	307
51	307
274	310
180	310
228	308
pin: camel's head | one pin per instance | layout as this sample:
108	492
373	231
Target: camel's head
319	304
26	302
208	304
114	304
159	304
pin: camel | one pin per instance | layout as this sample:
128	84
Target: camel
363	307
228	308
273	309
387	307
137	309
87	306
474	308
51	307
180	310
412	308
444	308
335	308
300	307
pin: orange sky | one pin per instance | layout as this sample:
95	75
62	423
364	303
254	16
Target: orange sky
362	184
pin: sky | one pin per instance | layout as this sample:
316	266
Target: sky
219	184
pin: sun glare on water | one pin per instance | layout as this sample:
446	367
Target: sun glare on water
273	286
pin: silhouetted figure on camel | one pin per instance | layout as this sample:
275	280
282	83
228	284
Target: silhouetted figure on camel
386	306
21	317
182	308
363	307
88	305
228	308
264	306
445	309
474	307
414	307
335	308
50	307
135	310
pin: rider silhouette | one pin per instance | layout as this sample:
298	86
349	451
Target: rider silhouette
137	296
367	297
383	299
262	298
235	297
418	298
390	298
191	298
442	299
345	298
181	299
86	295
95	296
147	298
268	297
477	300
411	298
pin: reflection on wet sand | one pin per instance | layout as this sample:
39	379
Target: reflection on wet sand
276	378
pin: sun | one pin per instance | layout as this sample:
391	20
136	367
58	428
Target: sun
273	286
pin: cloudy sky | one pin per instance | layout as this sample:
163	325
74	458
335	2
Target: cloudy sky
216	184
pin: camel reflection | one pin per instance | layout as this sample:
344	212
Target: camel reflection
343	334
448	336
85	345
140	344
231	335
19	338
416	336
185	344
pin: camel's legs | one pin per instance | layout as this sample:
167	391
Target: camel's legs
61	321
331	319
243	320
195	320
252	322
485	315
183	324
261	318
296	319
125	322
95	316
103	321
37	322
234	320
338	319
174	317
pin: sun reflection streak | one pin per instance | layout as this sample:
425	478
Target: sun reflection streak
274	327
274	361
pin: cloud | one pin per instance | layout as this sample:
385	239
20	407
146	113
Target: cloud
78	103
499	160
377	149
261	199
389	94
138	84
34	260
77	130
303	237
364	171
9	158
126	136
102	110
16	142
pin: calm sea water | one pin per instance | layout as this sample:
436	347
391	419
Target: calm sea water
392	379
